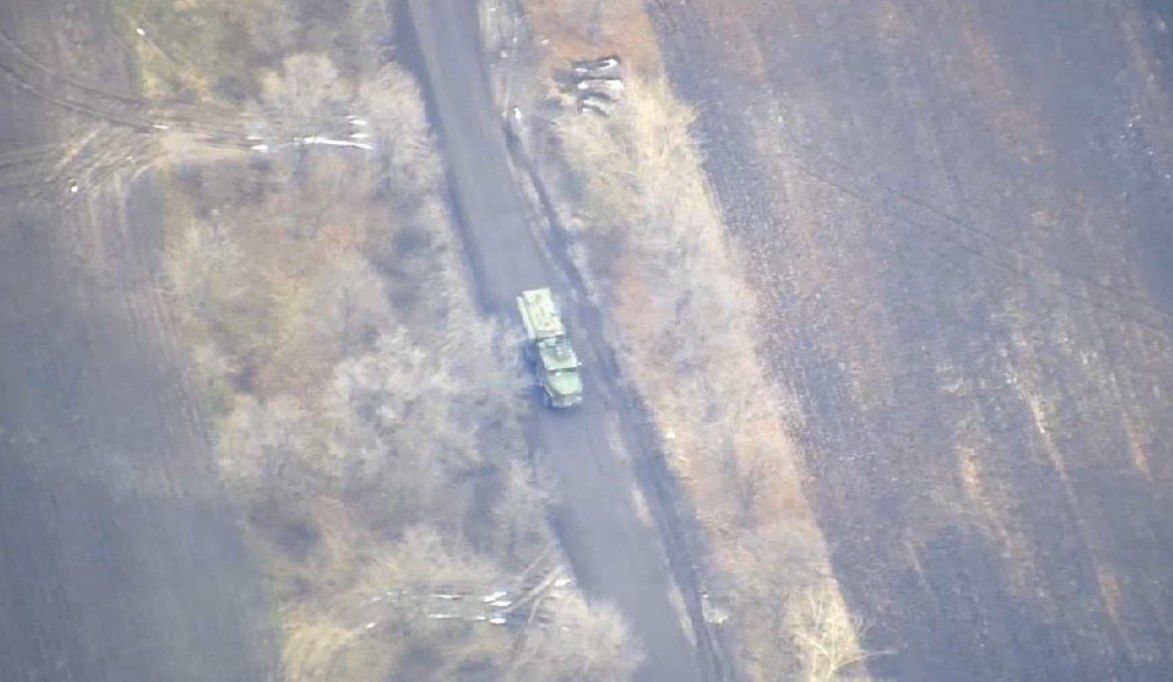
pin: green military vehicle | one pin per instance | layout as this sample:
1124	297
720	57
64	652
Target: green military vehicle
549	350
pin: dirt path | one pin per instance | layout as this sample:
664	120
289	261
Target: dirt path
121	558
613	548
957	216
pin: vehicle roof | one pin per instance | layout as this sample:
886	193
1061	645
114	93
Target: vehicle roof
558	354
537	306
566	383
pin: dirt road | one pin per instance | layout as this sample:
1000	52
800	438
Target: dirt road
958	216
120	559
614	551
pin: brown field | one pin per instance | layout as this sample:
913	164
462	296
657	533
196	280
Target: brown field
950	215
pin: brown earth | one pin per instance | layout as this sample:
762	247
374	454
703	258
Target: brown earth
121	555
958	218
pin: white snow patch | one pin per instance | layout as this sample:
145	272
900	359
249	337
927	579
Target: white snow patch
489	598
330	142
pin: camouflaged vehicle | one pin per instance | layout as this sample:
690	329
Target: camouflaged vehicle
548	349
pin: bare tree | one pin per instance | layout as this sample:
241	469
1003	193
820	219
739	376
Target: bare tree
579	642
385	624
349	309
307	91
823	633
391	101
518	522
270	448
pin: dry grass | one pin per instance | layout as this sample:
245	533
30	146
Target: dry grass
578	29
207	49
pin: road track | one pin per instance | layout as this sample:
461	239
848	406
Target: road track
615	556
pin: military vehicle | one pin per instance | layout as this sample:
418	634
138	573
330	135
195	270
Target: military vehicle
548	349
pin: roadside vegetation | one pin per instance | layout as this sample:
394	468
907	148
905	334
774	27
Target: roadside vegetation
649	239
367	417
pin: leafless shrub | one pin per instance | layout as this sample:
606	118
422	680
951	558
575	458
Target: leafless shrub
395	428
823	633
518	523
580	642
207	269
268	448
350	308
392	103
353	32
380	629
306	91
271	27
204	50
204	268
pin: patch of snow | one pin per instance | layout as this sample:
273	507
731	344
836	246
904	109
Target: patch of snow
489	598
330	142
